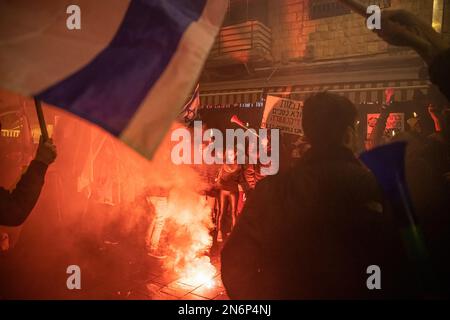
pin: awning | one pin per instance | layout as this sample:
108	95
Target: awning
369	92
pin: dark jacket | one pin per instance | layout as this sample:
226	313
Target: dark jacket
15	206
427	164
430	188
230	176
253	175
311	233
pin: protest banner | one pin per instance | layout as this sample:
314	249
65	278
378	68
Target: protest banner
283	114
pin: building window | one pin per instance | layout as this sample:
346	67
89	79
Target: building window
246	10
326	8
438	14
331	8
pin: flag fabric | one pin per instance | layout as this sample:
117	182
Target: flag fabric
128	69
189	111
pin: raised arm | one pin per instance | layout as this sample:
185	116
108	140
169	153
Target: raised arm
15	206
402	28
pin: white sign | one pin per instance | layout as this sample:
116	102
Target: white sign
283	114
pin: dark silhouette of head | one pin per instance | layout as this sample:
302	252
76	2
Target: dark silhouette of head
329	120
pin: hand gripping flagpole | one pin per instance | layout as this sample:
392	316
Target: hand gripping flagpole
40	115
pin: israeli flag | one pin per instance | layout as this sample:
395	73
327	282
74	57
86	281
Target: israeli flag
128	68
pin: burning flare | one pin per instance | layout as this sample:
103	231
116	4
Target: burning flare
187	228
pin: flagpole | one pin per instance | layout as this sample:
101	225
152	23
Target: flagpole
40	115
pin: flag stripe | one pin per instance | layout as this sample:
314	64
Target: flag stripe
146	129
109	90
37	50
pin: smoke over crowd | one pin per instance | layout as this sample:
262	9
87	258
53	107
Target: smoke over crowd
105	208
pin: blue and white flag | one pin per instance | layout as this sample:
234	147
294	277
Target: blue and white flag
128	69
190	110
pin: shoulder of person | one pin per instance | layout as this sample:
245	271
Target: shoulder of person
362	176
274	185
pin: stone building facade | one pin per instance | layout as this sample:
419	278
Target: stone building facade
303	46
296	36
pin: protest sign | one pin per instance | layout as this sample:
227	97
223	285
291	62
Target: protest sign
283	114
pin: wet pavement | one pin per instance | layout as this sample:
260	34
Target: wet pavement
111	272
165	285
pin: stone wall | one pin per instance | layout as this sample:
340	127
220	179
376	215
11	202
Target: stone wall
296	38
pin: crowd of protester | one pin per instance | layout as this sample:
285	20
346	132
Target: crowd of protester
312	230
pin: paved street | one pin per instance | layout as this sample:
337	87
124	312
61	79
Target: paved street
109	272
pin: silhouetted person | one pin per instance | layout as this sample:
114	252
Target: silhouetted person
428	166
311	232
228	180
16	205
402	28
